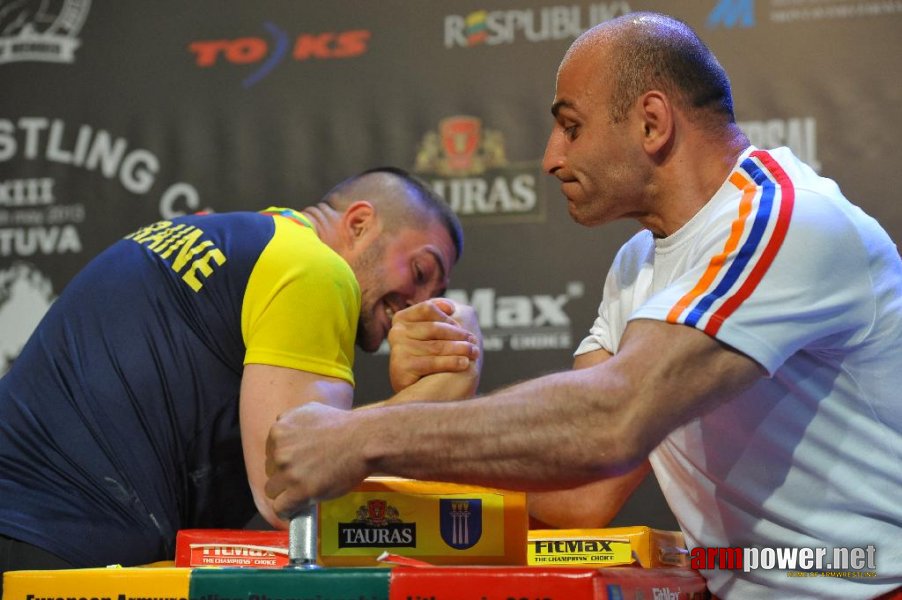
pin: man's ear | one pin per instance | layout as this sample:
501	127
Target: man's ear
657	121
359	221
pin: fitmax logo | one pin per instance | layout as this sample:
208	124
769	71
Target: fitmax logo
732	13
535	322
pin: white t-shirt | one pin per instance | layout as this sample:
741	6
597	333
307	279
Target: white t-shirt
780	266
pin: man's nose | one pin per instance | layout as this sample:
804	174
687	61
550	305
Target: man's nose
553	158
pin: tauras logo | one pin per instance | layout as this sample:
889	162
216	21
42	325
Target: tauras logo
377	525
41	31
525	322
466	164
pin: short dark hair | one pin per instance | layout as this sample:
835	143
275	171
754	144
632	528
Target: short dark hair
660	52
430	203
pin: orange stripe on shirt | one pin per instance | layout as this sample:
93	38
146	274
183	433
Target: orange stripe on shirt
749	190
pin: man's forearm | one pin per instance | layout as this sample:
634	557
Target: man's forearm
500	441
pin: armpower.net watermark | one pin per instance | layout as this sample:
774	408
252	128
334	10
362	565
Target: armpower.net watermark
797	562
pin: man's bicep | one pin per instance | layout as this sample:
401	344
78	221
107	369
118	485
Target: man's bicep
267	392
590	359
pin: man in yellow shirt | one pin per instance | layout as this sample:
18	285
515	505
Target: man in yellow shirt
142	403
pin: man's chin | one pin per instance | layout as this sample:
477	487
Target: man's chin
369	343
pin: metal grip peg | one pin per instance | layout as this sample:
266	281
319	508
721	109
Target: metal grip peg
302	539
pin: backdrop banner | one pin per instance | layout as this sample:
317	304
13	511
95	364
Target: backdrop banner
117	114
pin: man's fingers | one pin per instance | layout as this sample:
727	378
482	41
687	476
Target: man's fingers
427	365
442	348
429	330
287	506
445	305
436	309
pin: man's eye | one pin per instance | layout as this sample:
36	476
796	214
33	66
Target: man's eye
570	131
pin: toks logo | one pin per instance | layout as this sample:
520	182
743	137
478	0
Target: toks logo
466	164
267	55
377	525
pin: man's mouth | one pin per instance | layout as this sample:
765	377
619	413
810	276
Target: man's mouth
389	311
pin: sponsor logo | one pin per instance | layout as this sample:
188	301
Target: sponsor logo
34	220
460	522
664	594
237	555
521	322
856	562
377	525
572	546
790	11
41	31
466	163
579	551
741	13
732	13
25	295
266	53
799	134
550	23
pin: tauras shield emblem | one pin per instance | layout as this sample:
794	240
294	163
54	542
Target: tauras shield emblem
460	140
460	522
376	511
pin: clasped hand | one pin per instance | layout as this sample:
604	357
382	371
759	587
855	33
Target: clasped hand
315	452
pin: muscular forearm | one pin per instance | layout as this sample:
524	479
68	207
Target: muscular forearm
503	441
590	505
556	431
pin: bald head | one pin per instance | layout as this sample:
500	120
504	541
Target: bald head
401	200
646	51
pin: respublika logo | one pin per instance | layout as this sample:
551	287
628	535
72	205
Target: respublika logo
546	24
732	13
41	31
466	163
266	53
460	522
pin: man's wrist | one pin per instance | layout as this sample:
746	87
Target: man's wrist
372	432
